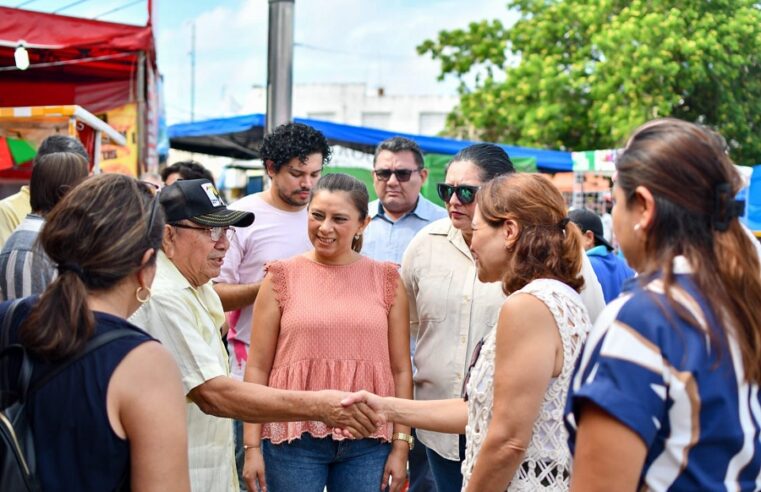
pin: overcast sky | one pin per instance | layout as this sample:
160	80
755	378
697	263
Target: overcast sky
368	41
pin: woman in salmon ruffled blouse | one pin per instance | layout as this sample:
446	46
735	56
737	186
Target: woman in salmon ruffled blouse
330	319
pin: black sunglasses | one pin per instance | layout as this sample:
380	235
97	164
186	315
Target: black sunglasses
402	175
465	193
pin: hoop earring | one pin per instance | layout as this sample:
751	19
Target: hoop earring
142	300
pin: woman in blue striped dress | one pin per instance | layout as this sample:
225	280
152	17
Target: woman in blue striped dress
666	393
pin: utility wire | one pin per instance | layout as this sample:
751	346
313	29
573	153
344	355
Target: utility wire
352	53
24	3
117	9
69	6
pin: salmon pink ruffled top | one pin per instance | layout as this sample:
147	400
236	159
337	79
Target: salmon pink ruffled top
333	334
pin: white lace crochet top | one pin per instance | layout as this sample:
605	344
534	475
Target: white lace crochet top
547	462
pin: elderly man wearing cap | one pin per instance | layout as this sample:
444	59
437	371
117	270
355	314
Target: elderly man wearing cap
611	270
185	314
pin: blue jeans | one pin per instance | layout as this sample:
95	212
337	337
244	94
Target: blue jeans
310	464
446	473
240	456
421	478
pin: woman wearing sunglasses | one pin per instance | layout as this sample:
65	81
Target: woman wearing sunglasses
516	386
450	308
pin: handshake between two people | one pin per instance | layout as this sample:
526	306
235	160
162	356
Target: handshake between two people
363	411
355	415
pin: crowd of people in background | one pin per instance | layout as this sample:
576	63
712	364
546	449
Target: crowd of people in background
306	337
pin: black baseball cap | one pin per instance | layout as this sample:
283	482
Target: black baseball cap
199	201
589	221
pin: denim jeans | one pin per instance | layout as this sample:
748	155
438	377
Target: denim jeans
240	456
421	478
310	464
446	473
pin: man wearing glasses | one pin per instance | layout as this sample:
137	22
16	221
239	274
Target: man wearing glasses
293	156
185	314
400	210
396	216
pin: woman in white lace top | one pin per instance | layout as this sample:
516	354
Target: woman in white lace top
517	384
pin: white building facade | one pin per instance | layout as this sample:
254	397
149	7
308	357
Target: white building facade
355	104
351	104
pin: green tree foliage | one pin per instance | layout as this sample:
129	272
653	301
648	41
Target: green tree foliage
581	74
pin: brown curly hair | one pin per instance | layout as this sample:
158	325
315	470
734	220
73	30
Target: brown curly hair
548	245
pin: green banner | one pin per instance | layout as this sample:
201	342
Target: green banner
364	175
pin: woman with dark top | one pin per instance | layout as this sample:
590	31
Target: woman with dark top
114	418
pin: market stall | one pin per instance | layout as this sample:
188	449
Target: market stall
105	68
22	129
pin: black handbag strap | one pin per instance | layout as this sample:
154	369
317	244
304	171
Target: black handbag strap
8	322
6	352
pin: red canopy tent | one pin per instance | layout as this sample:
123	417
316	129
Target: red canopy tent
97	65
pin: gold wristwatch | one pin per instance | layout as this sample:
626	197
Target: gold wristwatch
401	436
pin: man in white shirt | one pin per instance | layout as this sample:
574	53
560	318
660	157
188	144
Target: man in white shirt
293	155
185	314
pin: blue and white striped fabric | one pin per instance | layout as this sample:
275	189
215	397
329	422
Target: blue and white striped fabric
682	391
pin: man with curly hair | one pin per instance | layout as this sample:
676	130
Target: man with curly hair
293	156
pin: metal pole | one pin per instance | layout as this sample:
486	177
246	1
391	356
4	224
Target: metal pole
142	122
97	155
279	63
578	189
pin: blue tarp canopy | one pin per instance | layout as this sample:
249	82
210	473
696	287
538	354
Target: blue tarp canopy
239	137
752	217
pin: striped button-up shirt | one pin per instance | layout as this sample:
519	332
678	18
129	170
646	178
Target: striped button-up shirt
25	268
